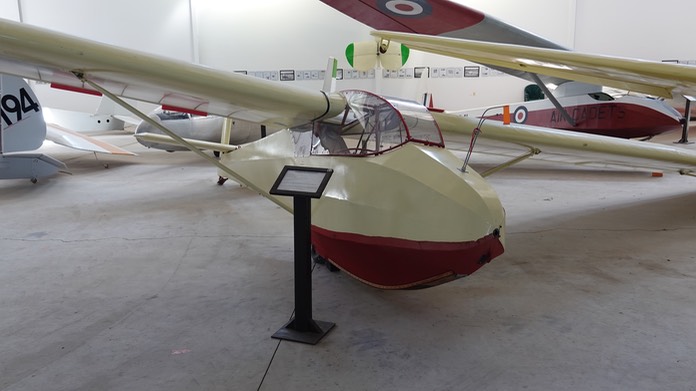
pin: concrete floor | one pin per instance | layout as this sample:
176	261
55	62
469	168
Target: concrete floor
149	276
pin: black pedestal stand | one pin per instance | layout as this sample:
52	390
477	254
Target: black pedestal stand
302	328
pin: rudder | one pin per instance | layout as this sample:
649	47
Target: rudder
22	127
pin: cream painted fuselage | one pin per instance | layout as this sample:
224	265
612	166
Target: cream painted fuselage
398	211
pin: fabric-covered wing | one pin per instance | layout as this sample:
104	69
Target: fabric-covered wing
45	55
649	77
573	147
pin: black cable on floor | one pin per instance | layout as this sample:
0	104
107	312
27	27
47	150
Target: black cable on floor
271	361
268	367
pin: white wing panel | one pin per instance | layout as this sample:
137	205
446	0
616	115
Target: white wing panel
68	138
650	77
574	147
48	56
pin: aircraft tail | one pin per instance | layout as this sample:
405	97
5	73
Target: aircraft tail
22	128
29	165
109	108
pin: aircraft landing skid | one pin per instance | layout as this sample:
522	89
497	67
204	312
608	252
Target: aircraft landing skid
318	259
686	121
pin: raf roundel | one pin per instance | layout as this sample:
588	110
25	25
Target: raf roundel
520	115
406	8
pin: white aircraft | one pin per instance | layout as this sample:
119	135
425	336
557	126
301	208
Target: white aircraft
23	130
577	106
401	210
196	126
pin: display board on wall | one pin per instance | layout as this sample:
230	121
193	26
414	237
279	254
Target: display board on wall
473	71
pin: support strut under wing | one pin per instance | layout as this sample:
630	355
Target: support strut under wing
532	151
553	99
173	135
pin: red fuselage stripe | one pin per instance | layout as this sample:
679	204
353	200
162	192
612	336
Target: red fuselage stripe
610	119
398	263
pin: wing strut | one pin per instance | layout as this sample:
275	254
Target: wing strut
553	99
532	151
474	136
477	130
174	136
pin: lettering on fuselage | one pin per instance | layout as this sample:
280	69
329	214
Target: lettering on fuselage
590	113
16	107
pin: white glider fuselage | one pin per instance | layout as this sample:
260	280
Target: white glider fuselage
80	122
183	124
398	212
194	127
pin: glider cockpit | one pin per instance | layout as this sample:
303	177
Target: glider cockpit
369	125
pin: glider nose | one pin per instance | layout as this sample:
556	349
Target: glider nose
146	127
409	219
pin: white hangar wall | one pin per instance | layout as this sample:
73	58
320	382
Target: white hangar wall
637	28
299	35
155	26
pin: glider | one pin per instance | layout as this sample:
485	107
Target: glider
578	103
400	210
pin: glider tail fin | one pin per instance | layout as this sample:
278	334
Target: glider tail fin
22	128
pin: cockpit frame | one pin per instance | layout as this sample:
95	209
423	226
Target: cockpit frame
372	125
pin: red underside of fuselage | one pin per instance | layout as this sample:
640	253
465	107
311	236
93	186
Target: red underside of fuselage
610	119
390	263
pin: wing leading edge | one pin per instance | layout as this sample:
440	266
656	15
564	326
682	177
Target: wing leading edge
48	56
650	77
40	54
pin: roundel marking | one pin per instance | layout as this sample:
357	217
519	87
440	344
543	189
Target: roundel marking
406	8
520	115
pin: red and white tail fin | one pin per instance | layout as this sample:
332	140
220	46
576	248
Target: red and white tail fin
22	126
